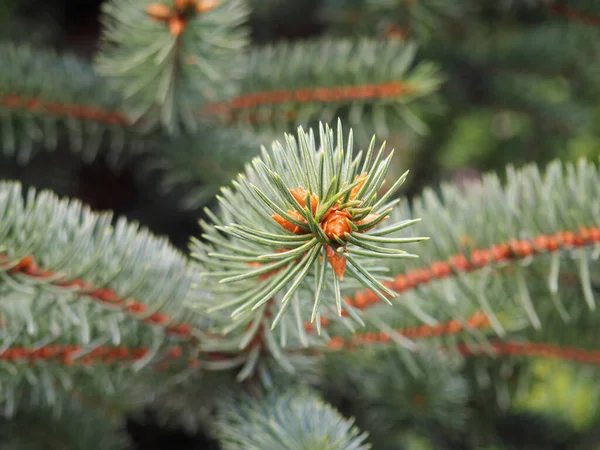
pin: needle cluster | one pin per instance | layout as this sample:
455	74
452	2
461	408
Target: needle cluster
298	212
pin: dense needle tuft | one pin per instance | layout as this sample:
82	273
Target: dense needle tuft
168	58
336	223
298	211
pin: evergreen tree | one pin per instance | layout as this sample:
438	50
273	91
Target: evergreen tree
321	297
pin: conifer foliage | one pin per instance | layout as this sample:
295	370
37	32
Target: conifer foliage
318	306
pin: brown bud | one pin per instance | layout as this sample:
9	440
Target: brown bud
300	195
292	227
338	262
335	223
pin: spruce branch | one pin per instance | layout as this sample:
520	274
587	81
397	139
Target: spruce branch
295	417
74	355
45	97
290	84
481	258
73	105
298	213
492	349
107	378
85	255
165	59
453	327
534	350
27	270
525	278
136	283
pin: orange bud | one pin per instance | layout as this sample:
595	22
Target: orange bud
300	195
283	222
292	227
176	26
203	6
338	262
335	224
359	186
159	11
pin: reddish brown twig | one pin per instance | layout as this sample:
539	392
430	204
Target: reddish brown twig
510	251
496	348
67	355
91	113
28	267
477	320
536	349
231	109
